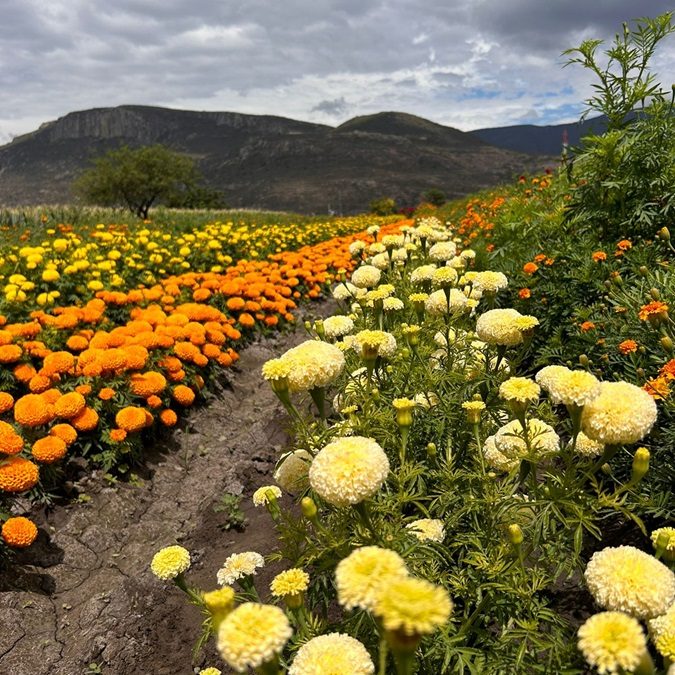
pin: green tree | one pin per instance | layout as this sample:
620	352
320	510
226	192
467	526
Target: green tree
384	206
138	178
435	196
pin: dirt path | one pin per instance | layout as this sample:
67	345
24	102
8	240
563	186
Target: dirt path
84	601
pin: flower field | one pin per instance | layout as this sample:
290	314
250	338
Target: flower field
483	460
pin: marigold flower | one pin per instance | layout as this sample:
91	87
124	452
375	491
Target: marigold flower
11	443
569	387
612	642
6	402
168	417
358	577
118	435
313	364
239	565
621	413
587	326
65	432
289	582
599	256
668	535
252	635
18	474
628	347
69	405
264	495
412	606
19	532
500	327
520	389
10	353
183	395
210	671
510	439
349	470
524	294
437	304
624	245
293	471
427	529
366	276
656	310
337	326
147	384
335	651
169	562
58	362
497	460
87	420
49	449
30	411
587	447
662	630
625	579
131	419
530	268
375	343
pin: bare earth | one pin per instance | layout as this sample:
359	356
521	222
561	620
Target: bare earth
84	600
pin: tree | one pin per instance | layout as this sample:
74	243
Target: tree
138	178
384	206
435	197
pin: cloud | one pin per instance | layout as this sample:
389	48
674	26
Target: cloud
468	63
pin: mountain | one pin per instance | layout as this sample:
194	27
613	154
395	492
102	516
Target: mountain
263	161
540	140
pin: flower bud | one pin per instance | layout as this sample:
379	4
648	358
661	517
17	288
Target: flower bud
318	327
308	508
431	449
405	353
514	534
664	233
644	271
666	343
655	293
640	465
606	468
584	361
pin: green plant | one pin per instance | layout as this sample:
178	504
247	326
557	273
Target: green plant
384	206
230	505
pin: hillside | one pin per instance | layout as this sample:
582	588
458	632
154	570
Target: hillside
265	161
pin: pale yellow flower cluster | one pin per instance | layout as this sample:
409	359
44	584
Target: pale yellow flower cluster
332	654
313	364
337	326
504	327
427	529
366	276
511	440
239	565
169	562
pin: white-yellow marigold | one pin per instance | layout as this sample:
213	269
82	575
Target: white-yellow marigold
337	326
412	606
345	292
358	577
490	282
621	413
569	387
444	276
662	630
437	303
427	529
426	400
349	470
443	250
495	459
422	273
293	471
612	642
239	565
520	389
332	654
169	562
666	535
210	671
379	341
276	369
289	582
392	305
625	579
510	439
366	276
313	364
252	634
587	447
499	327
265	494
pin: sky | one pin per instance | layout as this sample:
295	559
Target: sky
464	63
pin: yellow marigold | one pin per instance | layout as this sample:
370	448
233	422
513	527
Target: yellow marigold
412	606
87	420
210	671
621	413
612	642
10	442
6	402
313	364
183	395
220	600
289	582
349	470
18	474
666	534
628	580
359	576
19	532
276	369
521	389
69	405
131	419
375	343
30	411
265	494
65	432
662	630
10	353
569	387
427	529
337	326
169	562
252	635
332	654
49	449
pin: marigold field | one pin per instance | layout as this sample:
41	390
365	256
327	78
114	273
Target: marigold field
480	471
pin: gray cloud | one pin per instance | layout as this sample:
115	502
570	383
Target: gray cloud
467	63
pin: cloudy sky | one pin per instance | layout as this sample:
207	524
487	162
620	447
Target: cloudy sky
464	63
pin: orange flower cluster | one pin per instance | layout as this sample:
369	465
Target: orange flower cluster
19	532
653	312
628	347
101	369
660	386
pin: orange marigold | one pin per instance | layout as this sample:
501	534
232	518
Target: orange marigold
10	353
51	396
107	393
628	347
131	418
87	420
599	256
147	384
39	383
77	343
19	532
153	401
668	369
10	442
183	395
117	435
653	311
49	449
65	432
658	388
524	293
168	417
84	389
18	474
69	405
6	402
586	326
624	245
24	372
31	410
530	268
58	362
